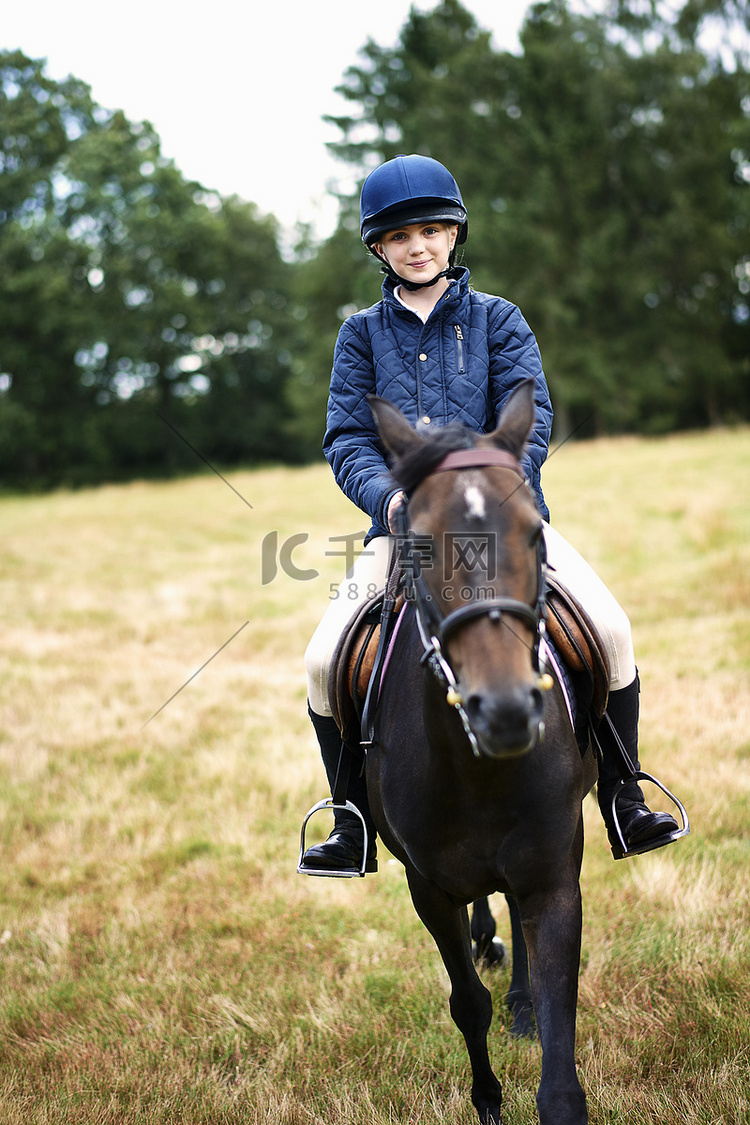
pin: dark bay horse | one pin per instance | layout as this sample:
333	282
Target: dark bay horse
474	775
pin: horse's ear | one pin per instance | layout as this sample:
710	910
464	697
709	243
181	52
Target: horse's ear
516	419
396	432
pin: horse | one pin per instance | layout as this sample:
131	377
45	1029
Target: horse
474	774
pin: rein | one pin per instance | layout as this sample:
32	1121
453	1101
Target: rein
435	627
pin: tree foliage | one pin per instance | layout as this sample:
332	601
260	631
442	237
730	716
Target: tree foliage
137	306
606	168
607	172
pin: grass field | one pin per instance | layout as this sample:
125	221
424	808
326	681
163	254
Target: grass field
161	962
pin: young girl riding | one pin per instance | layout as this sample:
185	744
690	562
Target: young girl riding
442	352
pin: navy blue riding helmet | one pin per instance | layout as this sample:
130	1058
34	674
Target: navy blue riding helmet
410	189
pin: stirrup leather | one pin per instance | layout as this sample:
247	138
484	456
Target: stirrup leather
620	850
332	872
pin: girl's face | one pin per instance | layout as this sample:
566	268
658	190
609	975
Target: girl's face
419	251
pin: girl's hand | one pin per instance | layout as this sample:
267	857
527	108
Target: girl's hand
393	507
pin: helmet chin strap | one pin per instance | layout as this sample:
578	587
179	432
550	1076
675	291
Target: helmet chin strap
412	286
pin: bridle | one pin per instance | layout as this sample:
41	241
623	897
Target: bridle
434	626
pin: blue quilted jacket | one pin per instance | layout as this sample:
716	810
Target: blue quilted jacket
461	365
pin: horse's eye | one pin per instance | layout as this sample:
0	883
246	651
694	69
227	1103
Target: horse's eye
536	535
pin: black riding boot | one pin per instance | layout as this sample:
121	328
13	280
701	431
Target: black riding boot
342	851
618	758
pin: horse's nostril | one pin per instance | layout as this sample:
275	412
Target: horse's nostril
496	712
475	707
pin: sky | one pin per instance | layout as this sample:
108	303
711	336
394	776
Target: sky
236	91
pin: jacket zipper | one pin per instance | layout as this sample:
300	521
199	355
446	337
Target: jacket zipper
460	345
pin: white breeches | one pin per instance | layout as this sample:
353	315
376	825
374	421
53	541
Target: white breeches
369	573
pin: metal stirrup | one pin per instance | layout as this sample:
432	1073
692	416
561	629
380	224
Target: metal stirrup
337	800
655	841
332	872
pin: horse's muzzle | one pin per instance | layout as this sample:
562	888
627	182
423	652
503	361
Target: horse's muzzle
506	724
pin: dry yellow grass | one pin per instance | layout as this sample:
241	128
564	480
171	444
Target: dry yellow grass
160	960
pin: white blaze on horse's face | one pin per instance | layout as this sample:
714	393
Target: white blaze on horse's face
475	503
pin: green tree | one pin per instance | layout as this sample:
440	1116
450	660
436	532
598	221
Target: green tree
42	297
191	291
137	305
606	173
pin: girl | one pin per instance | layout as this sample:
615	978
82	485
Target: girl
441	353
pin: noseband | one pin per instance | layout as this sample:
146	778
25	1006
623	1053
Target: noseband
436	627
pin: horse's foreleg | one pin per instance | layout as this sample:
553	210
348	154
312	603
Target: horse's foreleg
518	997
470	1002
552	928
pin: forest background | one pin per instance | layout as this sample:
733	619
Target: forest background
148	321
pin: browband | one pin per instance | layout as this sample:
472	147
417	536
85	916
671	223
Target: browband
479	459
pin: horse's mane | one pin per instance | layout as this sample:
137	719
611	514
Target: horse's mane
411	469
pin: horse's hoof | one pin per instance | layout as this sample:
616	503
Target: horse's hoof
491	954
522	1013
523	1026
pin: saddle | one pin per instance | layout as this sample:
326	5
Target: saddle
574	636
353	663
569	628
